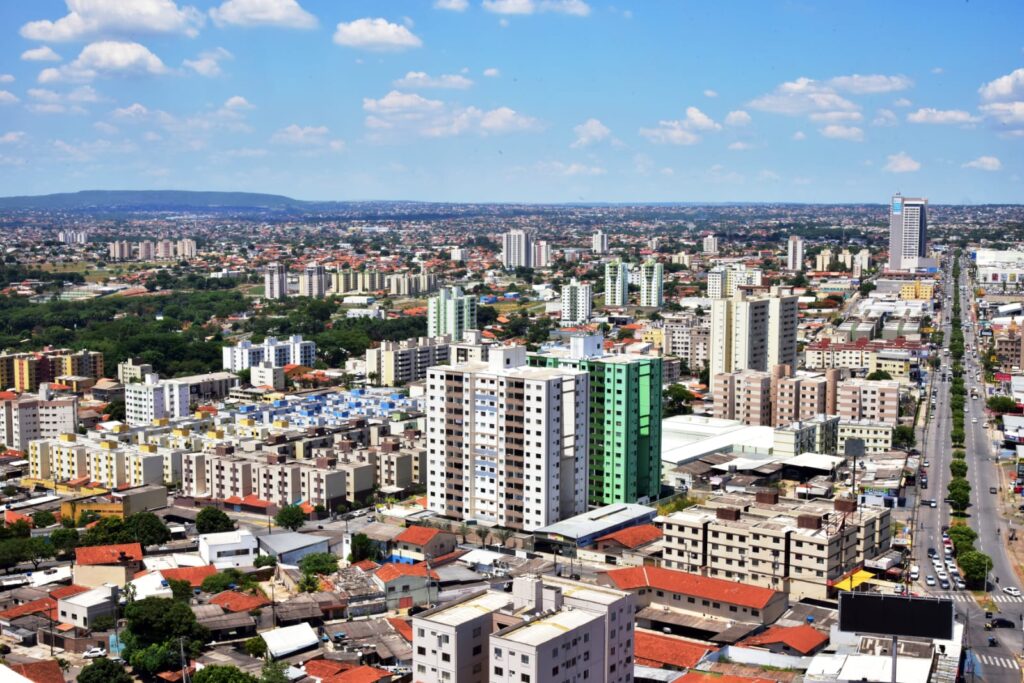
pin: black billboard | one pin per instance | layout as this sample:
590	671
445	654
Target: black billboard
895	615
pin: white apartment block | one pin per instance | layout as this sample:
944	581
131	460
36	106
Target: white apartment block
451	313
823	261
795	253
292	351
110	462
616	284
652	284
908	233
207	475
349	281
577	303
753	332
36	416
394	363
60	459
724	279
266	374
507	443
710	245
541	254
517	249
599	243
155	399
132	370
313	281
877	436
872	400
275	281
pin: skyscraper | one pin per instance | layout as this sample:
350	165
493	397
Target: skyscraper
652	274
577	302
451	312
616	283
753	332
275	281
517	249
599	243
795	253
908	233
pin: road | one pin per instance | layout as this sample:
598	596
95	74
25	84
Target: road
994	664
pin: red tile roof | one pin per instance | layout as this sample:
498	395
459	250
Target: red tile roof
67	591
396	570
233	601
360	674
417	535
634	536
42	605
804	638
366	565
402	626
13	517
194	575
322	668
702	677
660	651
44	671
108	554
691	584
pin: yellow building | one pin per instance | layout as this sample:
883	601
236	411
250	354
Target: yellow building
912	291
655	336
60	459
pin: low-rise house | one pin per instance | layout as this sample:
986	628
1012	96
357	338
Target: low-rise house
229	549
803	640
406	585
107	564
289	547
418	543
83	609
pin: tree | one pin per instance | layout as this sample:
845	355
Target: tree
290	517
975	566
319	563
676	401
1002	404
958	484
155	625
222	581
273	672
64	541
35	550
309	583
103	670
958	468
180	589
879	374
146	528
43	519
264	561
211	520
503	535
115	411
963	538
363	549
463	531
256	646
903	437
222	674
959	500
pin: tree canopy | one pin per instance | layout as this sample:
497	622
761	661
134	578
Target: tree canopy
290	517
211	520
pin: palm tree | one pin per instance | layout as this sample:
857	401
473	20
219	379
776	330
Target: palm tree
463	531
503	535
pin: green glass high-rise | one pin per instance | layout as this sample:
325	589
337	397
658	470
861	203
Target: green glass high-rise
625	419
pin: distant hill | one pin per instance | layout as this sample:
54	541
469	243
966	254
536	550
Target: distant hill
153	199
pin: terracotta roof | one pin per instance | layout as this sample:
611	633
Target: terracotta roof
804	638
417	535
366	565
233	601
360	674
42	605
194	575
654	649
702	677
108	554
691	584
43	671
67	591
396	570
634	536
447	558
13	517
322	668
402	626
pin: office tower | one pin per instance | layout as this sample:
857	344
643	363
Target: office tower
625	418
577	302
450	312
795	253
394	363
908	232
292	351
710	244
154	399
652	276
517	249
616	284
519	456
753	332
541	254
275	281
186	248
599	243
823	261
313	281
723	280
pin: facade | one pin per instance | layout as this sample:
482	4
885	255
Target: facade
349	281
710	244
292	351
823	261
133	370
230	548
517	249
872	400
451	313
616	284
908	233
723	280
577	303
687	338
266	374
599	243
26	371
28	417
775	398
795	253
652	283
397	363
877	436
541	254
519	456
753	332
155	399
313	281
275	281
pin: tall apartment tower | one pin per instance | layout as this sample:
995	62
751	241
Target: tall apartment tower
450	312
616	283
710	244
908	232
313	281
517	249
723	280
541	254
577	303
275	281
795	253
652	275
753	332
599	243
519	457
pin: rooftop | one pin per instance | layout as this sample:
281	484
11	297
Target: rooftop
598	520
685	583
547	627
468	609
108	554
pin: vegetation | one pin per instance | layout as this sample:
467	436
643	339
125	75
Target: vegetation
255	646
903	437
228	579
963	538
154	627
975	567
676	401
319	563
264	561
1002	404
103	670
879	375
958	468
959	494
222	674
363	549
144	527
43	519
211	520
290	517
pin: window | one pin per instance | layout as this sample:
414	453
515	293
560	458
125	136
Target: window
525	678
498	671
525	659
477	649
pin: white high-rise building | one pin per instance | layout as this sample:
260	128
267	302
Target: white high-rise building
541	254
599	243
723	280
186	248
275	281
146	250
908	233
519	456
165	249
154	399
577	302
120	250
616	284
795	253
753	332
710	244
452	313
313	281
652	285
292	351
517	249
823	261
861	262
36	416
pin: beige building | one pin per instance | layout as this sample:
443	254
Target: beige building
36	416
396	363
877	436
775	398
872	400
753	331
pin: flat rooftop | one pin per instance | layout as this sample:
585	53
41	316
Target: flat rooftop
549	627
470	609
596	521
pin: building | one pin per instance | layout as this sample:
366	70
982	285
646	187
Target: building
795	253
624	465
292	351
861	263
723	280
688	338
541	254
877	436
28	417
348	281
229	549
599	243
186	248
266	374
82	609
872	400
652	283
451	313
313	281
823	261
753	332
616	284
119	251
275	281
133	370
520	457
396	363
908	233
577	303
517	249
775	398
26	371
419	543
155	399
710	244
288	547
101	565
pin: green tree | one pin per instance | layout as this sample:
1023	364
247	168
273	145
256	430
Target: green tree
963	538
115	411
975	566
958	484
958	468
264	561
154	627
103	670
290	517
211	520
222	581
222	674
273	672
903	437
146	528
256	646
676	401
363	549
1002	404
309	583
959	500
43	519
180	589
879	374
35	550
64	541
319	563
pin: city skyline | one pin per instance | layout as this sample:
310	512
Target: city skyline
505	100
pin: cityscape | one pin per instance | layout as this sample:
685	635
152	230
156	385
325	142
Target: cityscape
379	342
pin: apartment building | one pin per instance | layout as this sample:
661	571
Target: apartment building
517	249
28	417
541	254
723	280
155	399
291	351
313	281
709	245
745	396
616	284
795	253
819	434
266	374
652	283
349	281
26	371
577	303
802	547
687	338
395	363
133	370
877	436
872	400
753	331
275	281
507	443
451	313
58	459
411	284
599	243
864	354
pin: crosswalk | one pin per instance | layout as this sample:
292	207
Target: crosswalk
1000	662
966	597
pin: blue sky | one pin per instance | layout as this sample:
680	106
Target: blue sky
516	100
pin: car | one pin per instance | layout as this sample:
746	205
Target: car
999	622
974	420
932	553
933	503
944	584
926	464
960	585
94	652
898	589
992	489
942	574
1012	590
929	580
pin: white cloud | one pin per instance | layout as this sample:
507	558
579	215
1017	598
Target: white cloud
12	137
769	176
839	132
1008	87
301	135
95	18
885	117
452	5
396	101
399	112
420	79
799	135
41	54
577	8
698	120
1005	113
985	163
737	118
589	132
375	34
670	133
208	62
834	116
866	85
570	169
802	96
43	95
6	78
901	163
710	93
739	146
941	116
8	97
282	13
902	102
492	72
106	58
237	102
506	120
937	70
105	128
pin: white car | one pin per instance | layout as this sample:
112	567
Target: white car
929	580
1011	590
974	420
942	574
94	652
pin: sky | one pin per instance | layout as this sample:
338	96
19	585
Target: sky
516	100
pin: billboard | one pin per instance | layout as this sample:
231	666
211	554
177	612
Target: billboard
895	615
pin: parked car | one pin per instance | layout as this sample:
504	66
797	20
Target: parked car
94	652
1012	590
929	580
992	489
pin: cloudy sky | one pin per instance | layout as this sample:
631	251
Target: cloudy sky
516	100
